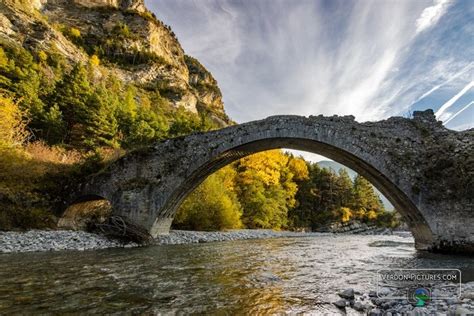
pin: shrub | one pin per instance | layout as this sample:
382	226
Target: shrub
74	33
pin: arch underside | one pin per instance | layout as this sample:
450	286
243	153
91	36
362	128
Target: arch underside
403	204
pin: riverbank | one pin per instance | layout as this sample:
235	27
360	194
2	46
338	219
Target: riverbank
374	305
55	240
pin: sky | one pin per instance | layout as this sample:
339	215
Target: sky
370	59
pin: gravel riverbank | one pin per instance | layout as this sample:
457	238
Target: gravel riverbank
54	240
39	240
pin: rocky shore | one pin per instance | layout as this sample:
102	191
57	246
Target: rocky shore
374	304
188	237
54	240
38	240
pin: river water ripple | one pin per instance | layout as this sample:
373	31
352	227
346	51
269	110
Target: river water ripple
235	277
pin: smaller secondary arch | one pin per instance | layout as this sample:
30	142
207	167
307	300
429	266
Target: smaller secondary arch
84	211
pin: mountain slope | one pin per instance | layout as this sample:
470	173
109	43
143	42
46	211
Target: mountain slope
129	41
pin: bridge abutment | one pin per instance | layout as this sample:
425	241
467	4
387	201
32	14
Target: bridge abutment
161	226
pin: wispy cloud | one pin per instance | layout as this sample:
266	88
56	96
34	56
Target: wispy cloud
371	59
458	112
453	77
453	100
431	15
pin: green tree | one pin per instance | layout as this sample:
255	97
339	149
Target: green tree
366	202
88	112
100	123
72	95
344	187
184	122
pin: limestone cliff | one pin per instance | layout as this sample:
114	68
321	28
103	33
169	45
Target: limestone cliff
127	38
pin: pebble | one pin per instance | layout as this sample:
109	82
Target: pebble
38	240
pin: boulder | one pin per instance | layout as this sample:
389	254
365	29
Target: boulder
347	294
341	304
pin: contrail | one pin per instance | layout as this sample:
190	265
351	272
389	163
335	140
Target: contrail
424	95
458	112
451	101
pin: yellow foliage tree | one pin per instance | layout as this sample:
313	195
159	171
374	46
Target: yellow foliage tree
212	206
346	214
371	215
13	130
42	56
298	168
265	167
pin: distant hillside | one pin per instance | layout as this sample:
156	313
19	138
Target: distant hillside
336	166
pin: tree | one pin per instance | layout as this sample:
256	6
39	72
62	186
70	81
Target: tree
185	122
12	124
212	206
344	187
72	95
100	123
266	189
89	112
366	202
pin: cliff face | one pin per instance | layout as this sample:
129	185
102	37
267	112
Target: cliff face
127	38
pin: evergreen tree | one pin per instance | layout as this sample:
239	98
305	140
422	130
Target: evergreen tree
366	202
344	186
73	97
99	122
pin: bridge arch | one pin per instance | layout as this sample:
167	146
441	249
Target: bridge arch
148	185
408	210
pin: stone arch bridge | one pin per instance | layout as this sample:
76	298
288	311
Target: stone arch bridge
425	170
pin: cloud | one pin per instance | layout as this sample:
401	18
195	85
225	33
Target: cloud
464	126
458	112
431	15
307	57
451	78
453	100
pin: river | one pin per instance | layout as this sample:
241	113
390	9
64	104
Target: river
245	277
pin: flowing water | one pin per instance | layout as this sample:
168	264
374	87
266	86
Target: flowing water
234	277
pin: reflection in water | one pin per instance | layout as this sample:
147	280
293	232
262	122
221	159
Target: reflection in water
247	277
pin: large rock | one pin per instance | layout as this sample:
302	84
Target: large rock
347	294
341	304
133	5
